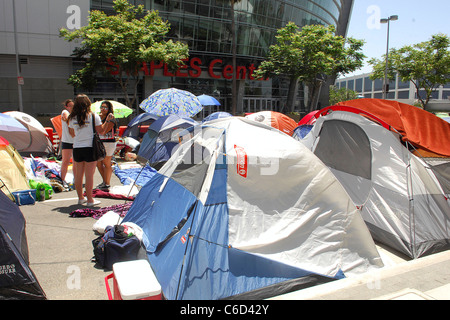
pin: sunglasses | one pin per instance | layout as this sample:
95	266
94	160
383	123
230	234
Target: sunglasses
103	107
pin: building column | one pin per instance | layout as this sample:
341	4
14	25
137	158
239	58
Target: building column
240	97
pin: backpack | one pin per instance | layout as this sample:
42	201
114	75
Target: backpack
116	245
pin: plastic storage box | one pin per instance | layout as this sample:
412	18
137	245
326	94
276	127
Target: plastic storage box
133	280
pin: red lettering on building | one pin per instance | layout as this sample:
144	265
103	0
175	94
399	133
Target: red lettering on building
192	68
241	72
195	64
154	66
227	72
112	67
181	70
211	68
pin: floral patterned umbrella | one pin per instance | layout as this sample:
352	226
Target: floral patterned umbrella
165	102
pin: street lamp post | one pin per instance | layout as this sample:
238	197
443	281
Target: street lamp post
385	82
16	42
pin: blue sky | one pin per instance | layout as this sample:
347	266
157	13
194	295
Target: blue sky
417	21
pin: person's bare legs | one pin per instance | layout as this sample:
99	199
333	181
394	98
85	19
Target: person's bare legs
101	169
66	155
89	176
105	169
79	168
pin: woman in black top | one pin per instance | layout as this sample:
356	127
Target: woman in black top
109	140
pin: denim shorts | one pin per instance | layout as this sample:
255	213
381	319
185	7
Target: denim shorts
83	154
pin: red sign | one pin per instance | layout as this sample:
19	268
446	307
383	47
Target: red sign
241	161
192	69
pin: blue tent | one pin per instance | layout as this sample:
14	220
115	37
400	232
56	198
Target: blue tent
301	131
133	129
157	145
226	226
217	115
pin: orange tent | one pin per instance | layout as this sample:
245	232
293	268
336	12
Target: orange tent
429	134
275	119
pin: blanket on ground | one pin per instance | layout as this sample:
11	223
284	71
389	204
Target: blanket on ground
97	193
121	209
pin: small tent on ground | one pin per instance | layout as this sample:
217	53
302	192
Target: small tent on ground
399	197
217	115
157	145
35	141
12	169
17	280
274	119
139	125
240	207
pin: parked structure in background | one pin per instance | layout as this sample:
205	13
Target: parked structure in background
401	91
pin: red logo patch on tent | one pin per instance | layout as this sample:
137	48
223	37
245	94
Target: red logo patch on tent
241	165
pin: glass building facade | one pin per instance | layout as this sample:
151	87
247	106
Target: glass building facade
46	60
205	25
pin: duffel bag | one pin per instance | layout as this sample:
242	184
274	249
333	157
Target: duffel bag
115	246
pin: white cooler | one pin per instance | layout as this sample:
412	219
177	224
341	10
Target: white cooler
134	280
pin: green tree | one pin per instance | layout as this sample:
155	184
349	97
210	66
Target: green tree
341	95
121	43
309	55
426	65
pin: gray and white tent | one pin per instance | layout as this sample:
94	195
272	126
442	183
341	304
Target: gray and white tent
397	193
258	208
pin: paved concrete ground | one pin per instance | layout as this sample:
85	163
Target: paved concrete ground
60	247
426	278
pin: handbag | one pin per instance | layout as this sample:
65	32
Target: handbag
97	144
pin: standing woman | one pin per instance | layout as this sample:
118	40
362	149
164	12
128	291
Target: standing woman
66	140
81	129
109	141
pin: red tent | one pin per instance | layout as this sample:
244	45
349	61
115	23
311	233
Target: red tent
309	118
429	134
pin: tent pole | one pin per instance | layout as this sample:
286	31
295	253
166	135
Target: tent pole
185	250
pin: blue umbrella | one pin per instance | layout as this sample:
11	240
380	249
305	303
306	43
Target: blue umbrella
8	123
217	115
208	100
172	101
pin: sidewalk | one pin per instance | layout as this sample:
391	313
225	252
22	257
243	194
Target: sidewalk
426	278
60	247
